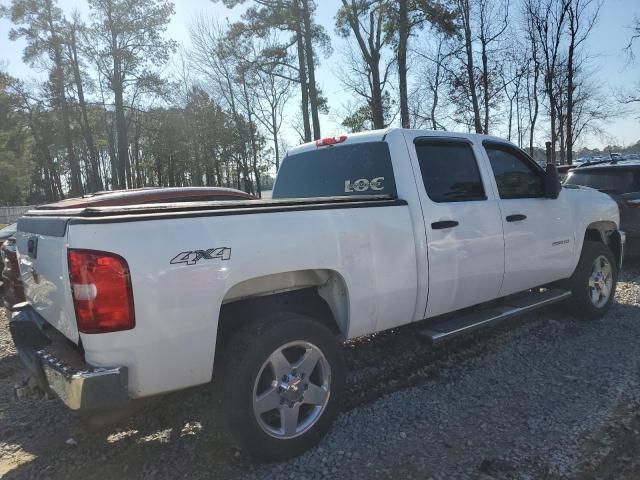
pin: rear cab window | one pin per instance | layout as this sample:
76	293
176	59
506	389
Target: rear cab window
449	170
337	171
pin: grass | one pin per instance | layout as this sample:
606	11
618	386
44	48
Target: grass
2	225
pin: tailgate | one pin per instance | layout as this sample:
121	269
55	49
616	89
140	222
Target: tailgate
42	256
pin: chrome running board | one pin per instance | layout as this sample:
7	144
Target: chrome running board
455	325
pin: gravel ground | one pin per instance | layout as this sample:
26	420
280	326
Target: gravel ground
544	396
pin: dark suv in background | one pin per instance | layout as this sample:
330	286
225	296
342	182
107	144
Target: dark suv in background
621	180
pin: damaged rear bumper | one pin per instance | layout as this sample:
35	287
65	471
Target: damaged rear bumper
59	366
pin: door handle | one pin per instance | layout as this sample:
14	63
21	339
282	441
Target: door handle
518	217
444	224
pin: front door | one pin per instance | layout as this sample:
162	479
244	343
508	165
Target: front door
538	231
465	244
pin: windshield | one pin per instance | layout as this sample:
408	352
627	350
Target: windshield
345	170
615	181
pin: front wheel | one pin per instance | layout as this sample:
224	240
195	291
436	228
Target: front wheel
283	380
593	284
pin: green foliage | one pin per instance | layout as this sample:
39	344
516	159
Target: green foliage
361	118
34	20
14	148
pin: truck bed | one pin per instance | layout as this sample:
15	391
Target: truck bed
359	251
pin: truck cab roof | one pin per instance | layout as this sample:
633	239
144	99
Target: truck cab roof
382	134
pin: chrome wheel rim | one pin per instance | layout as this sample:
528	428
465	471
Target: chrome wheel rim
292	390
600	281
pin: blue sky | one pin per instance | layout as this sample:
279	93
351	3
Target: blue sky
606	44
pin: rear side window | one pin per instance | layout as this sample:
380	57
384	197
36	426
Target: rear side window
614	181
344	170
449	170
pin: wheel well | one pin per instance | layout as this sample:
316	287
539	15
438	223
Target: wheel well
607	233
321	294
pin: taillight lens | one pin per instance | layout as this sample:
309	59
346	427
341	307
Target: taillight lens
102	293
633	203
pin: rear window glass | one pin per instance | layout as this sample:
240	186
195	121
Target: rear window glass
345	170
615	181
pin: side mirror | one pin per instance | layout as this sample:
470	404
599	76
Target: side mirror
552	185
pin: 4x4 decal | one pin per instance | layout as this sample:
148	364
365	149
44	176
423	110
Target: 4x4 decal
194	256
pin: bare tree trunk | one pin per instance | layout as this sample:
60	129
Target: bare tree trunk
510	117
59	82
403	37
95	181
533	112
518	118
377	108
313	91
304	87
370	50
274	132
465	11
485	84
554	131
561	134
121	123
570	89
252	136
113	153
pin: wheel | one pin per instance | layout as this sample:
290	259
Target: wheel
593	284
283	381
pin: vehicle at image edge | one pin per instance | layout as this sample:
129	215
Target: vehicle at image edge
364	233
5	234
11	289
8	231
563	171
621	180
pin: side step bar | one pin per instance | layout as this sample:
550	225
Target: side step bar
506	308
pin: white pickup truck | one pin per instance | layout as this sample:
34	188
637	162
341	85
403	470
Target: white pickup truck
364	233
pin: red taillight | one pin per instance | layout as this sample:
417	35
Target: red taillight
323	142
102	294
633	203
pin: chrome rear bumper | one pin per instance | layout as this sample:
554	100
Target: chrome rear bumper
58	365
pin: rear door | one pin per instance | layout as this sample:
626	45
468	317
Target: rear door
538	231
464	230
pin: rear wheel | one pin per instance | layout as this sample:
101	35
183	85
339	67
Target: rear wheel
593	284
283	380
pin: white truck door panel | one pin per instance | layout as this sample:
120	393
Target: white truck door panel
538	249
538	231
466	257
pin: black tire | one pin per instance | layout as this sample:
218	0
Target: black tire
243	360
580	304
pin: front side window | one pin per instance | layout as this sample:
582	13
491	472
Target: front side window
516	176
449	170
